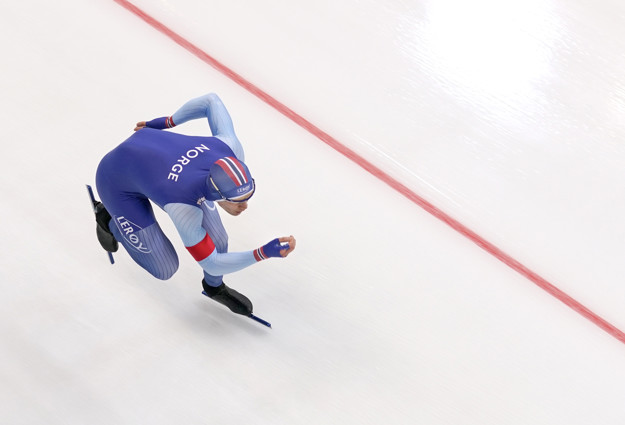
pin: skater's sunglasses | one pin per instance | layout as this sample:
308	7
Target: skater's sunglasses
235	200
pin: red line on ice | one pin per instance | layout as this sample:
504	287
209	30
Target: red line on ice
377	172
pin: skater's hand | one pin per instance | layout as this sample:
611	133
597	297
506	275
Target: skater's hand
290	245
279	247
140	125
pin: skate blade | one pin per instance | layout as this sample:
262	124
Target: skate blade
251	316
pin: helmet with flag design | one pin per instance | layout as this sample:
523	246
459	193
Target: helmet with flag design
230	180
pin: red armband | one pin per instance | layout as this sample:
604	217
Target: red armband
202	249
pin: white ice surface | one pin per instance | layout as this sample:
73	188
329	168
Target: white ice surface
511	119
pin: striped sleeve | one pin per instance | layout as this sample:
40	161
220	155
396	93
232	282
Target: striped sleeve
259	254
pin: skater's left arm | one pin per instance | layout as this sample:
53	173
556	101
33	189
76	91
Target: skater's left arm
188	222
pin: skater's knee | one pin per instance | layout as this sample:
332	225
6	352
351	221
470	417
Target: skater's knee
163	276
162	267
164	273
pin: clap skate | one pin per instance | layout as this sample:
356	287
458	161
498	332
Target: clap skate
236	302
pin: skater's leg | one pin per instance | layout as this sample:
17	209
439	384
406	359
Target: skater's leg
133	223
214	287
149	247
134	226
211	222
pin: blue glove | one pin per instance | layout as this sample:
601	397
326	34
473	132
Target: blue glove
161	123
272	249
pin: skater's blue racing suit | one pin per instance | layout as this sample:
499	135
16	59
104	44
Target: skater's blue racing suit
170	170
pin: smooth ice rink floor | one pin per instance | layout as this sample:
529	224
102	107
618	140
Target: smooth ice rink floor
507	116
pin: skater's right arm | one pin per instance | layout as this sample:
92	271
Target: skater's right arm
210	107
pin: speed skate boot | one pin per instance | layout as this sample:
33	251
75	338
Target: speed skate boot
236	302
105	237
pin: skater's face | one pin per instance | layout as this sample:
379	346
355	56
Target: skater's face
233	208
